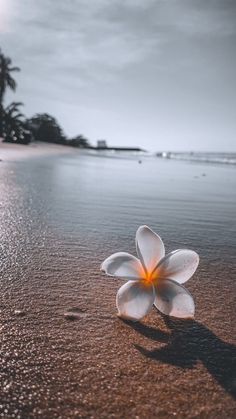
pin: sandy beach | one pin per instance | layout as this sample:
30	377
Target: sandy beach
15	152
61	214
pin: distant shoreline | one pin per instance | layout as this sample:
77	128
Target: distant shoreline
116	148
13	152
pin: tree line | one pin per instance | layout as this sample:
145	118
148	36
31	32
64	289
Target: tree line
16	128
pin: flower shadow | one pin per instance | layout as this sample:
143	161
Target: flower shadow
190	342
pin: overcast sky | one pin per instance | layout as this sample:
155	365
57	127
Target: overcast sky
159	74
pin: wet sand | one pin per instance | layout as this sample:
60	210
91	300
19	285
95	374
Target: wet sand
61	215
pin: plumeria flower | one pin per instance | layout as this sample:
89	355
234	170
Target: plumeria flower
153	278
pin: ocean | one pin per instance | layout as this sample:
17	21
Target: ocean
201	157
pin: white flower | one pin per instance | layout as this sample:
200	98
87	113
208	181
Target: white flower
153	278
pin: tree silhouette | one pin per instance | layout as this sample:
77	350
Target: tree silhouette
45	127
79	141
12	111
6	80
14	126
41	127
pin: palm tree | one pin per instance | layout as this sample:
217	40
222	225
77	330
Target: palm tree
6	80
14	126
12	120
12	110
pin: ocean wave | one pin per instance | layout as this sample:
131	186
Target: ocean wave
217	158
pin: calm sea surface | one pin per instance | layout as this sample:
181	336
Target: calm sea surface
98	202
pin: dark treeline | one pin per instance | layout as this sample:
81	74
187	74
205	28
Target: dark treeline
44	127
16	128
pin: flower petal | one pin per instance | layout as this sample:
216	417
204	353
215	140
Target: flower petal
134	300
173	299
150	248
124	265
179	265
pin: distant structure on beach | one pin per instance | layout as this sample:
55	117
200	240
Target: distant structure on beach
102	145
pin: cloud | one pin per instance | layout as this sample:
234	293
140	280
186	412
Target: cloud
98	39
5	15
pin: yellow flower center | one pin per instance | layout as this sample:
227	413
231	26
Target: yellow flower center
150	277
